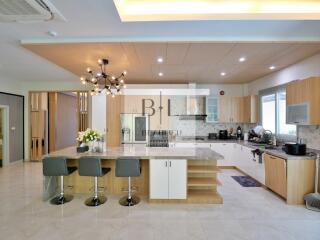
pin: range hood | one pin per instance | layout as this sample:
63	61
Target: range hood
195	108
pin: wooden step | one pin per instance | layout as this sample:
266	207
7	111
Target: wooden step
204	196
202	182
202	169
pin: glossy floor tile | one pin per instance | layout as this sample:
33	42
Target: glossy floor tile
247	213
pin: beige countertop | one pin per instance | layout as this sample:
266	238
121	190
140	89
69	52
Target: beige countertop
144	153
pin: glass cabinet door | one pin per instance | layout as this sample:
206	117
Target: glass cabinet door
212	109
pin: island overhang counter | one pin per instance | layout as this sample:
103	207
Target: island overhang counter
197	165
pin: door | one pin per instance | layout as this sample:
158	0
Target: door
177	179
276	174
159	179
15	105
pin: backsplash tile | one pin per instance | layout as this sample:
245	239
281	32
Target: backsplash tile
311	134
202	128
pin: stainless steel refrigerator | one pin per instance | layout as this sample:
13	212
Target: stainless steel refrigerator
134	128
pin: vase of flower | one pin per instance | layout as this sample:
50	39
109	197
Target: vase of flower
88	137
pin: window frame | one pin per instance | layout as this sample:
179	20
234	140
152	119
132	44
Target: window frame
276	91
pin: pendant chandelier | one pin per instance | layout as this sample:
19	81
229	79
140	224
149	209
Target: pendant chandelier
100	80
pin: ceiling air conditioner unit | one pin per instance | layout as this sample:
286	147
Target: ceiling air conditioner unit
28	11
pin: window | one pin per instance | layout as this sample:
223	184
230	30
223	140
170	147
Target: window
273	110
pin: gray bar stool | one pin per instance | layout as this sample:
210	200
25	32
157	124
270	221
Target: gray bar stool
57	166
128	167
91	166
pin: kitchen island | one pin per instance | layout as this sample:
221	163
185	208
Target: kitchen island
183	175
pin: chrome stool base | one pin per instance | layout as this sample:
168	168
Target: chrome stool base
128	202
61	199
95	201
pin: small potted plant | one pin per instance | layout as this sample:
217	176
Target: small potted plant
87	139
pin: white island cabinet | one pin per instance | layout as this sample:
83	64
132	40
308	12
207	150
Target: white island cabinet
168	179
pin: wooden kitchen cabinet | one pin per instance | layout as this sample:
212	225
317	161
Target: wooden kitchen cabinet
134	104
276	174
238	109
250	112
305	91
291	179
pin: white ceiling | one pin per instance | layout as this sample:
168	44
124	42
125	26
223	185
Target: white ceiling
98	20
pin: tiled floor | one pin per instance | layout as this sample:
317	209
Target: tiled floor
247	213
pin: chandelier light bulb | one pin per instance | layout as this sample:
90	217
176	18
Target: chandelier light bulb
112	85
124	86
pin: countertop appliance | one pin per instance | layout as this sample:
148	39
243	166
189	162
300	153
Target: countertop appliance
134	128
213	136
223	134
239	133
298	149
158	138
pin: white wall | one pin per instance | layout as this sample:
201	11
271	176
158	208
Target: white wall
307	68
99	113
236	90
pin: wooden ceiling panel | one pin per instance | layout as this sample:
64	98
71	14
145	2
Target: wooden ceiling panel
207	53
183	62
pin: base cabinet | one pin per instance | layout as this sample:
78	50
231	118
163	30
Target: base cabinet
168	179
276	174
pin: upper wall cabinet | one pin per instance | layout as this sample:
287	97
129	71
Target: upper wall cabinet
238	109
251	109
303	101
212	109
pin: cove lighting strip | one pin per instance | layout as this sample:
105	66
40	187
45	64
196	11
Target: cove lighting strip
178	10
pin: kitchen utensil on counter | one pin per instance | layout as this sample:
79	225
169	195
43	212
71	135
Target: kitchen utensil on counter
213	136
313	199
295	149
266	137
223	134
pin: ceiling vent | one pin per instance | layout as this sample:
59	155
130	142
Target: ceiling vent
28	11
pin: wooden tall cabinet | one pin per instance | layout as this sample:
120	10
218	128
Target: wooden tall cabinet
305	91
114	108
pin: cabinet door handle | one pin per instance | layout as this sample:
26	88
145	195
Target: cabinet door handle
166	163
169	163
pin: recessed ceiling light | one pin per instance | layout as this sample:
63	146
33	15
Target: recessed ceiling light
222	73
242	59
160	74
52	33
272	67
160	60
